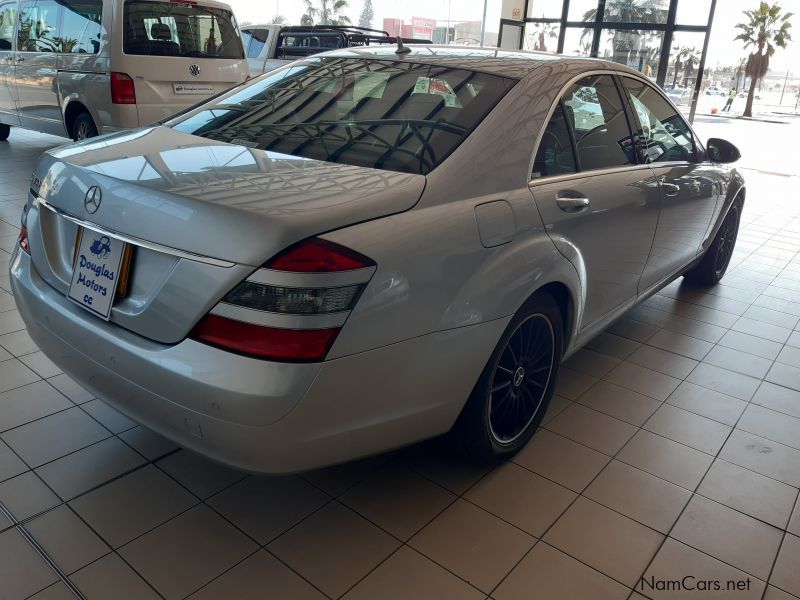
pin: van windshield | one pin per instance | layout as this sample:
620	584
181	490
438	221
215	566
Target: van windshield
384	114
180	29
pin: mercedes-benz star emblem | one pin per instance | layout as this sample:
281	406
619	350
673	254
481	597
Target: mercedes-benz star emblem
92	199
194	70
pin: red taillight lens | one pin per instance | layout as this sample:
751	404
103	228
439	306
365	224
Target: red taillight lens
122	90
316	255
288	345
23	240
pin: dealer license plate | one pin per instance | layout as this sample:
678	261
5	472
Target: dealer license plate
98	272
192	89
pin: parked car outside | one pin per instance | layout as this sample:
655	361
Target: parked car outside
680	95
367	248
77	68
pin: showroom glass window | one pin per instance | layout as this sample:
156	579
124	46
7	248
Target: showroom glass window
80	26
38	27
8	18
664	134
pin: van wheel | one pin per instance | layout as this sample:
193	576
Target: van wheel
83	127
516	385
715	261
5	130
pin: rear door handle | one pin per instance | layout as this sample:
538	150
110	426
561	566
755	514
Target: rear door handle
568	204
669	189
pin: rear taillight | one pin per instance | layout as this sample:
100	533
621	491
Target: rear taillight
23	240
293	307
122	89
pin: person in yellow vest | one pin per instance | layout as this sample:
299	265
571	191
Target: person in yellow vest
731	96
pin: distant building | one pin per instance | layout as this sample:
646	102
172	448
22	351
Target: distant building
419	27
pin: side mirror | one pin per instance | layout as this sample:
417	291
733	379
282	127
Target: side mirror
722	151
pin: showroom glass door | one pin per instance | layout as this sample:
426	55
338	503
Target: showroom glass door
8	94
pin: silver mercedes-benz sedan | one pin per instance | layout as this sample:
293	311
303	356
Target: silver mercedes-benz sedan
368	248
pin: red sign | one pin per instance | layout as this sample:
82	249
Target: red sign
423	23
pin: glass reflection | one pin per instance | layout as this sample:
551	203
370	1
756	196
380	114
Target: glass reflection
541	36
578	41
550	9
635	11
634	48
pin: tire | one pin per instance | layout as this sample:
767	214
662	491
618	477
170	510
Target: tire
5	130
715	261
508	404
83	127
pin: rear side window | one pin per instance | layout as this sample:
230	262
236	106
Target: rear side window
384	114
38	27
555	155
298	45
594	110
80	26
174	29
665	136
8	17
254	41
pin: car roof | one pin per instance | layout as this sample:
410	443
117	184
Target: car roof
506	63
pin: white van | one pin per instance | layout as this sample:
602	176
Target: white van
77	68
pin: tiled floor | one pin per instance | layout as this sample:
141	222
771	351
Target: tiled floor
672	450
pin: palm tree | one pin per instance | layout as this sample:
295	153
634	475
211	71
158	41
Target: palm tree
690	57
546	30
278	20
765	28
631	11
738	73
328	13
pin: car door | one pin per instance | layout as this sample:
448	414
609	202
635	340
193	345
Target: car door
38	43
8	93
599	206
690	188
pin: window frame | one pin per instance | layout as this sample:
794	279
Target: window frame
700	155
580	172
59	12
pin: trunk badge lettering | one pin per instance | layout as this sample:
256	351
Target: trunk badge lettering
194	70
92	200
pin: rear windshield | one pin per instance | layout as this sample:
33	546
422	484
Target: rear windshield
177	29
390	115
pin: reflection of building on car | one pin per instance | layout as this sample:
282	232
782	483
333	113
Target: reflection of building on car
83	67
271	46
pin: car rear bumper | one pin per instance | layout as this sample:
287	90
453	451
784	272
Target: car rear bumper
258	415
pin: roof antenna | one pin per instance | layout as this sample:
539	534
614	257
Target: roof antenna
401	49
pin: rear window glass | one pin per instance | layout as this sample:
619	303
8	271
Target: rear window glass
175	29
389	115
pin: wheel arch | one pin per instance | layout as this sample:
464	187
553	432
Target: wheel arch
71	112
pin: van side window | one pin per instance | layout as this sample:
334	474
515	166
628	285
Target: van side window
80	26
8	17
556	155
664	135
38	26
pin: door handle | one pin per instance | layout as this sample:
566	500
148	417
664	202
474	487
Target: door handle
568	204
670	189
20	58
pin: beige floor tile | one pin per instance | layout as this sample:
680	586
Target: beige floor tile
11	321
725	381
25	495
643	380
624	404
338	479
265	507
763	456
638	495
147	442
663	361
40	364
782	374
728	535
406	575
749	492
666	459
54	436
557	405
613	345
334	548
740	362
605	540
632	329
147	498
111	577
85	469
680	344
772	425
439	465
18	343
22	571
707	403
761	329
68	387
676	560
67	539
591	428
688	428
751	344
187	552
592	363
521	497
794	521
698	329
786	574
57	591
200	475
790	356
572	384
10	464
773	317
561	460
773	593
14	374
259	577
473	544
549	573
398	500
109	417
778	398
28	403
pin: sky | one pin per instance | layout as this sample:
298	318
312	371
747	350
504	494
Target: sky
723	50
